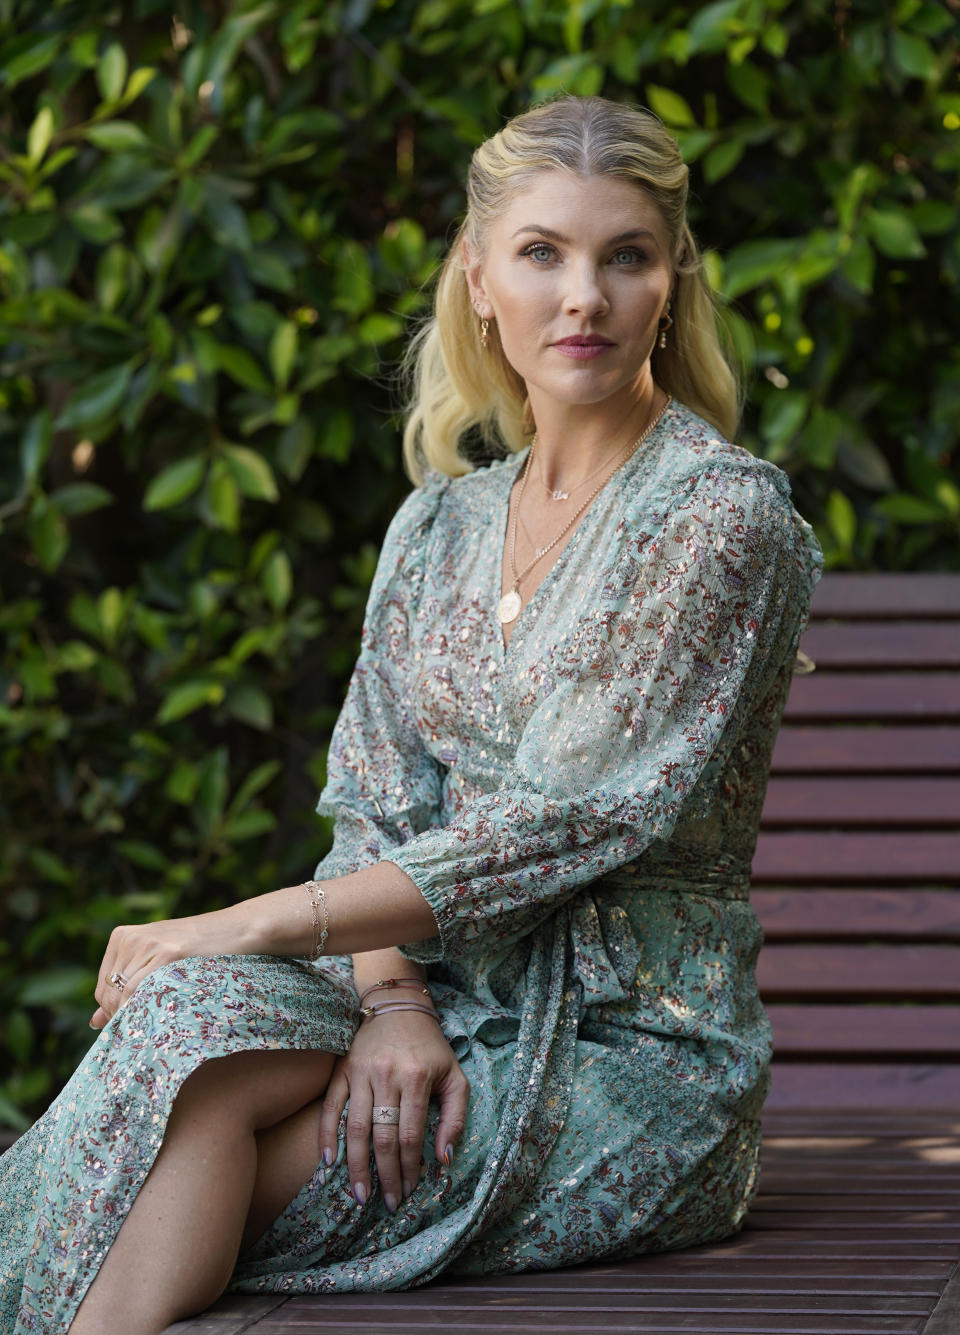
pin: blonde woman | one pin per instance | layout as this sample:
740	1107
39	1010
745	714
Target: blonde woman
512	1021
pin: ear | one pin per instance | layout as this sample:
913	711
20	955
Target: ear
473	269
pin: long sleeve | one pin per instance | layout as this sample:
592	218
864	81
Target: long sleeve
704	602
383	786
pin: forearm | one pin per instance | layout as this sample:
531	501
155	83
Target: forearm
366	912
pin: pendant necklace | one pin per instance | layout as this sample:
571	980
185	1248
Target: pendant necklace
510	604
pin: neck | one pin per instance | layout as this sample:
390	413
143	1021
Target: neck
573	443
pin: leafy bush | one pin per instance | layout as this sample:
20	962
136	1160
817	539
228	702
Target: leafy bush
212	233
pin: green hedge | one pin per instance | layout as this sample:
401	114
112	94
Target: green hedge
212	235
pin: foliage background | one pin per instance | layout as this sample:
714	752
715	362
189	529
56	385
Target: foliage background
212	235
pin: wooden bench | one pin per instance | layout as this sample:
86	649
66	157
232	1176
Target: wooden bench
856	1228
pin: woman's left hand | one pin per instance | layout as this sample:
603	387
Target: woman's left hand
134	952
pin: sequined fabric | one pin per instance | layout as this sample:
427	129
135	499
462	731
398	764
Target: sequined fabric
580	811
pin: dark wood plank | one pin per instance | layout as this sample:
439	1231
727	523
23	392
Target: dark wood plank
945	1318
848	1086
831	857
879	644
866	749
313	1314
866	800
919	1032
828	972
825	915
874	695
231	1315
886	594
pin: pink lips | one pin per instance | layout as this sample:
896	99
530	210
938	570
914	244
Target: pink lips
582	350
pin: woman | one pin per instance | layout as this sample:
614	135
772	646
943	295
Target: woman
546	781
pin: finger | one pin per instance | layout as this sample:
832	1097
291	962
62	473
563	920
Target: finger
334	1101
386	1150
454	1097
114	996
359	1115
99	1018
414	1109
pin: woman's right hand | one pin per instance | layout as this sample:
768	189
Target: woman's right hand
397	1059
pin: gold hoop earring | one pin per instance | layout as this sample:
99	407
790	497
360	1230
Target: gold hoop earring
484	339
663	324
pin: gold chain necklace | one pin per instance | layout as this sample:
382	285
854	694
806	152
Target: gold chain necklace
510	604
558	494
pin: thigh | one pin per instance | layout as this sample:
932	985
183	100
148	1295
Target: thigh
260	1089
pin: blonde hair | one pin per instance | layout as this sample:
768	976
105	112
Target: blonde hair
454	386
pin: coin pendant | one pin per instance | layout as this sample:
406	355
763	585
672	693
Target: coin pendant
509	608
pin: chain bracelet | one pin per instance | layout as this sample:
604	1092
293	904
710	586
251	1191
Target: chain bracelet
318	901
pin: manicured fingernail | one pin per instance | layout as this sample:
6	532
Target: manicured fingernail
391	1203
329	1156
359	1193
448	1155
407	1188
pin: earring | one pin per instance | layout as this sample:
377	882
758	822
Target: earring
663	324
484	339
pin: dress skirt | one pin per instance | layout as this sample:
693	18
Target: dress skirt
527	1189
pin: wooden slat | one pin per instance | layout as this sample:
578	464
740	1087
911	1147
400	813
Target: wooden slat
886	595
874	695
945	1318
826	971
866	749
866	857
879	644
823	915
917	1031
865	800
863	1086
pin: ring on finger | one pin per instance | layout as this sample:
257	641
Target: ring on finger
119	979
386	1115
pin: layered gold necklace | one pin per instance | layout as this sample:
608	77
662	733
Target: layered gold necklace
510	604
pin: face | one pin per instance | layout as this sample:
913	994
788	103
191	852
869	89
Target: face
585	277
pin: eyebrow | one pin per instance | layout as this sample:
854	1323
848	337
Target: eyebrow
556	236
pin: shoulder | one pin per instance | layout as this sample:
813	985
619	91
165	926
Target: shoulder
708	485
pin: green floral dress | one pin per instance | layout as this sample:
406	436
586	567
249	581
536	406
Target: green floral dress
580	810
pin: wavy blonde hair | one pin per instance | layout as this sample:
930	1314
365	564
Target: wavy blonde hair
453	386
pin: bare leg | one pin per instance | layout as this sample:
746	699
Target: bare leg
176	1249
287	1156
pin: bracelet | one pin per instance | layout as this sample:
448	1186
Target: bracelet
371	1012
417	983
317	899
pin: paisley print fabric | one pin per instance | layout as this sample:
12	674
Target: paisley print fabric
580	810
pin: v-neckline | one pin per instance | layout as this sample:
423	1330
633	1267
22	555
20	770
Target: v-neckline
503	649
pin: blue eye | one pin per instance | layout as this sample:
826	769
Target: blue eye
636	255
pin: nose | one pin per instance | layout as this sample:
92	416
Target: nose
584	292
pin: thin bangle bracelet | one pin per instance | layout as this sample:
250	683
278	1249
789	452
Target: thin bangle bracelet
371	1012
416	983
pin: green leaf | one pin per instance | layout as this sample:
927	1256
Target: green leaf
48	534
756	262
110	282
188	697
283	351
81	498
277	580
97	399
842	519
223	497
117	137
111	72
669	106
240	366
295	446
783	413
859	264
249	824
51	867
913	55
252	473
142	854
252	706
907	509
26	56
722	159
212	792
175	483
54	986
254	783
895	234
39	136
137	82
35	444
95	224
182	782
